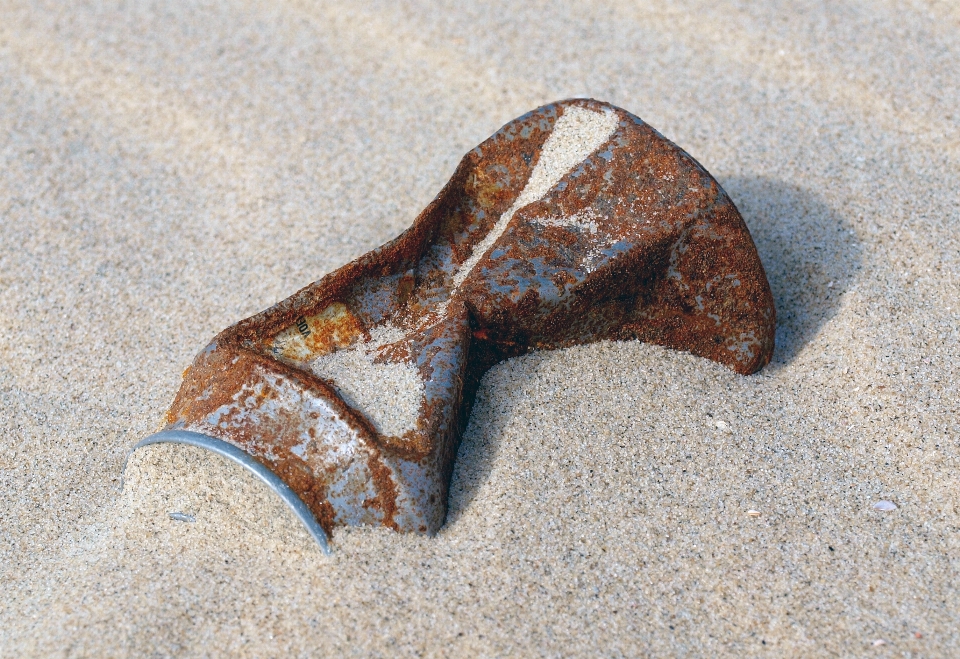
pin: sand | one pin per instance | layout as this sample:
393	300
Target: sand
389	394
170	168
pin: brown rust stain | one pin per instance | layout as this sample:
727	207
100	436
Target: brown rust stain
386	499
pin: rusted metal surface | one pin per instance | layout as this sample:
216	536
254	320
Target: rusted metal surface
634	240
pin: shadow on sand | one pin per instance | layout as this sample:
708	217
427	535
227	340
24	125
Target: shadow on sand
809	251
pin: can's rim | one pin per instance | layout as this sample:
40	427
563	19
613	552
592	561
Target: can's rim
247	461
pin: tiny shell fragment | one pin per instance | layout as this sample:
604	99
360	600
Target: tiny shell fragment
753	513
885	506
182	517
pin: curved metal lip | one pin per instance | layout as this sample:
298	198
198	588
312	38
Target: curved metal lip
247	461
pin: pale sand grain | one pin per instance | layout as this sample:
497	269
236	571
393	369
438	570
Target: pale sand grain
169	168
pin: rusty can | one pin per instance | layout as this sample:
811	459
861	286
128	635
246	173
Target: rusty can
574	223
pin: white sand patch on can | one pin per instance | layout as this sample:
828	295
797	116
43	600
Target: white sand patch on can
577	133
388	394
585	221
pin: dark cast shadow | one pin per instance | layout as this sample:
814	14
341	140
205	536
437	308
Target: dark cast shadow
811	256
809	250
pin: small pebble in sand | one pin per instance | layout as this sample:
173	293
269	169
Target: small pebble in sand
753	513
182	517
722	425
885	506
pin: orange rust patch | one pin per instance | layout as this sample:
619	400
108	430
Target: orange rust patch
320	334
386	489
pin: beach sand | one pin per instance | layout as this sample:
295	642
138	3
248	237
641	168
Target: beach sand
167	169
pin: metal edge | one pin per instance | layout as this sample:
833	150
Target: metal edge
247	461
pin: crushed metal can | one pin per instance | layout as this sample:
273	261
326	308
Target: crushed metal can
574	223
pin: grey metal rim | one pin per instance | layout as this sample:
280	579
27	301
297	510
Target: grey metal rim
244	459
